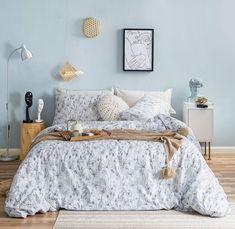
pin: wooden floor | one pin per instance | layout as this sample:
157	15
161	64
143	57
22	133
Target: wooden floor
222	163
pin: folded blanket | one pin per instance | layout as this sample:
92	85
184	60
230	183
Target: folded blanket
171	140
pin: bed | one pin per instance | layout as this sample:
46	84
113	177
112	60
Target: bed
114	174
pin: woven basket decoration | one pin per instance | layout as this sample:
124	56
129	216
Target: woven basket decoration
68	71
91	27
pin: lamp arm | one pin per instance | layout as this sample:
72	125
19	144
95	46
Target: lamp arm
9	57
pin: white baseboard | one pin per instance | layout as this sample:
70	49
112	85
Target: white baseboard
223	147
12	151
220	149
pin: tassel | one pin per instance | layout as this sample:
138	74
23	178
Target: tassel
167	173
183	131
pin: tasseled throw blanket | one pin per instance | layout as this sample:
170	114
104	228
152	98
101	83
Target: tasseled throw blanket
171	140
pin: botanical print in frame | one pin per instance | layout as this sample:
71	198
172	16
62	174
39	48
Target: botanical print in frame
138	49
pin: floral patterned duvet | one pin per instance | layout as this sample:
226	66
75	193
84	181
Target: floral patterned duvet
115	175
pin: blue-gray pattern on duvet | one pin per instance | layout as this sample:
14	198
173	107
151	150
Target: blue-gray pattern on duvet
115	175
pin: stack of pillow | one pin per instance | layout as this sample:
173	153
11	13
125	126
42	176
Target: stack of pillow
110	105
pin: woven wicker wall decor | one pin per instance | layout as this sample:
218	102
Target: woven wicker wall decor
91	27
68	71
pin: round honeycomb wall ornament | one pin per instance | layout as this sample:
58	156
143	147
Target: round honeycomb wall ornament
91	27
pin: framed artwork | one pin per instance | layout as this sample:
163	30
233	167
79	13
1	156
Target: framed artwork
138	49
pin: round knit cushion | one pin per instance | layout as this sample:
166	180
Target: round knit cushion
110	106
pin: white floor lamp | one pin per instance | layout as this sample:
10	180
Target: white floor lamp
25	54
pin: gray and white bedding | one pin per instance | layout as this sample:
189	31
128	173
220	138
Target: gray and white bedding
115	175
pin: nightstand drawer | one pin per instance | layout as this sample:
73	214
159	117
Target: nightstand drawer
201	122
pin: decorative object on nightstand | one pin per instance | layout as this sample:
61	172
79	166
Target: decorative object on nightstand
28	132
200	120
201	102
29	103
40	107
194	84
25	54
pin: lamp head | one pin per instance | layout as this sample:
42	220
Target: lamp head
25	53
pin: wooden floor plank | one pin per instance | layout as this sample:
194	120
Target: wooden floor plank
222	164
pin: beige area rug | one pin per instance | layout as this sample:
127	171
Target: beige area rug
140	220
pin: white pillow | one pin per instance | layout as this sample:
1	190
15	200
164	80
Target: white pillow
132	96
146	108
110	106
84	92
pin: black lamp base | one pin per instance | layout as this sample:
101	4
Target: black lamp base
27	121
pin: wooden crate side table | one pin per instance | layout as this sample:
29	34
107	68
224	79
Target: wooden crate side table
28	132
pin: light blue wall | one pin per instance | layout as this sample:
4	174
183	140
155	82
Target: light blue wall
193	38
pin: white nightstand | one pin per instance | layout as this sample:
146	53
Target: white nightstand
200	120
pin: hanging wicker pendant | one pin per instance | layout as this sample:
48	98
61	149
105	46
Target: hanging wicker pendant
91	27
68	71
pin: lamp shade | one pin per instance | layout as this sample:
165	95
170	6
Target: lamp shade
25	53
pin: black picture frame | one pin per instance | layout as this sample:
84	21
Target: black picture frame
138	49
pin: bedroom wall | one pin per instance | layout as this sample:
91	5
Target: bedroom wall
192	39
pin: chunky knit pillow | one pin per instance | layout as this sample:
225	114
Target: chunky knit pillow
110	106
